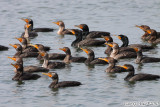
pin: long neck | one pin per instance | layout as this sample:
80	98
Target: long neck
85	32
52	85
78	39
67	58
26	35
45	63
90	58
114	52
108	50
24	46
110	67
125	42
130	75
61	29
18	53
139	56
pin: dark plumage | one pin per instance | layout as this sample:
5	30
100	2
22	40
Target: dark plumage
112	68
2	48
141	59
19	52
51	56
91	34
91	60
117	54
50	65
20	75
31	68
154	38
125	41
138	77
86	42
57	84
69	57
32	29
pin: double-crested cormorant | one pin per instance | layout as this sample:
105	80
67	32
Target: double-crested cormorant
69	57
146	34
86	42
91	34
20	75
51	56
137	77
31	68
108	40
117	54
19	52
125	41
50	65
154	38
57	84
62	30
26	47
141	59
112	68
30	21
91	60
2	48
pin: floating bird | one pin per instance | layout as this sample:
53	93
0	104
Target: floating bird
57	84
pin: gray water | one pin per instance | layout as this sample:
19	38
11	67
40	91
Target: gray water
99	88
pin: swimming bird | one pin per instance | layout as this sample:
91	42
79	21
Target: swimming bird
19	52
62	30
30	68
2	48
125	41
51	56
137	77
146	34
91	60
50	65
154	38
91	34
69	57
86	42
117	54
30	21
57	84
112	68
141	59
20	75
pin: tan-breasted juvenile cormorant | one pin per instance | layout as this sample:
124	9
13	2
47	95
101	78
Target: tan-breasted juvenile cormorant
91	34
117	54
125	41
19	52
86	42
112	68
108	40
31	68
52	56
2	48
91	60
69	57
62	30
137	77
141	59
20	75
30	21
50	65
57	84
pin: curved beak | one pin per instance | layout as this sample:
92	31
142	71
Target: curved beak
85	50
123	66
63	49
20	39
48	74
26	20
105	59
15	46
109	44
79	26
14	59
56	23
